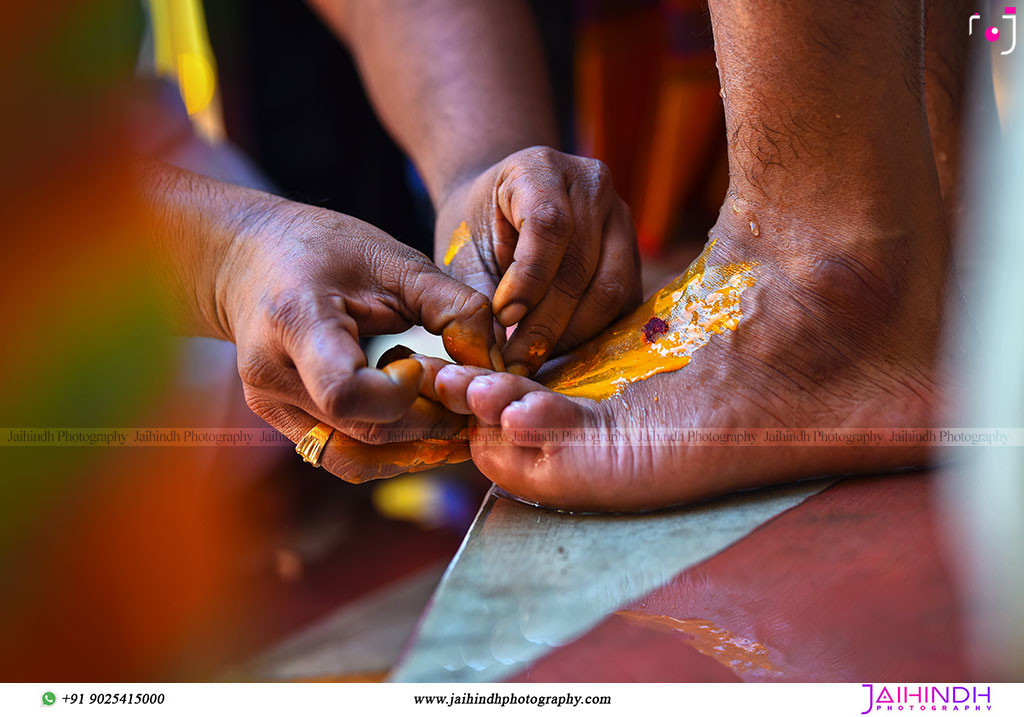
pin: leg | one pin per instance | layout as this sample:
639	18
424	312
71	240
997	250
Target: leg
815	304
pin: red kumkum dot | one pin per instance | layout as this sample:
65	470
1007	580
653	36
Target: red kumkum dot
654	329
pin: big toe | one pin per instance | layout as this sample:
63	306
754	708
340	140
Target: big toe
554	414
517	402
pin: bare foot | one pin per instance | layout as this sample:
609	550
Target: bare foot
817	302
837	339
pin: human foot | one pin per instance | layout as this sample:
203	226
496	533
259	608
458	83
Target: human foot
819	304
754	336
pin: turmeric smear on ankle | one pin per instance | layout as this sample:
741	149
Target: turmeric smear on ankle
661	335
460	237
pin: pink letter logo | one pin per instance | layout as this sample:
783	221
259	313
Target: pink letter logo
993	33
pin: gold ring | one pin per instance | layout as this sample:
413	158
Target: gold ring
312	444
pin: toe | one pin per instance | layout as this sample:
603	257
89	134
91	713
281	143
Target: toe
489	395
431	367
451	384
556	414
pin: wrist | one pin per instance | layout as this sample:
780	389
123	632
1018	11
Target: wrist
239	256
184	243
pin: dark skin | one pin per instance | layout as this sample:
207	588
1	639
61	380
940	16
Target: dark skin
294	286
829	186
835	202
949	99
461	85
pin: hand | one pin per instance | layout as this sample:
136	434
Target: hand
295	291
545	235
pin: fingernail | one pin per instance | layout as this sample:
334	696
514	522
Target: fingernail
518	369
497	362
466	347
511	314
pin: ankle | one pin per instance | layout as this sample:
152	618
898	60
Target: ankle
857	266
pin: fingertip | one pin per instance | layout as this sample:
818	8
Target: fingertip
518	369
497	362
527	350
512	314
516	294
500	334
463	318
369	395
468	344
405	372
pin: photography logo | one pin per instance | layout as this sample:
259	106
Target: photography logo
993	34
928	698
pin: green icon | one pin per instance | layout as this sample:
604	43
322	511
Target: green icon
49	698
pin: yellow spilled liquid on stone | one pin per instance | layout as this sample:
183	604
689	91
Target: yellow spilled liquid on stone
703	301
740	655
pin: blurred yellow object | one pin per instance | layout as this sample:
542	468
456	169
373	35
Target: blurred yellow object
413	498
182	52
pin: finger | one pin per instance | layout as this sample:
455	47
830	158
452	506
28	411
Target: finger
466	258
425	419
615	288
539	331
322	344
451	385
429	364
535	201
357	462
448	307
407	373
504	238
